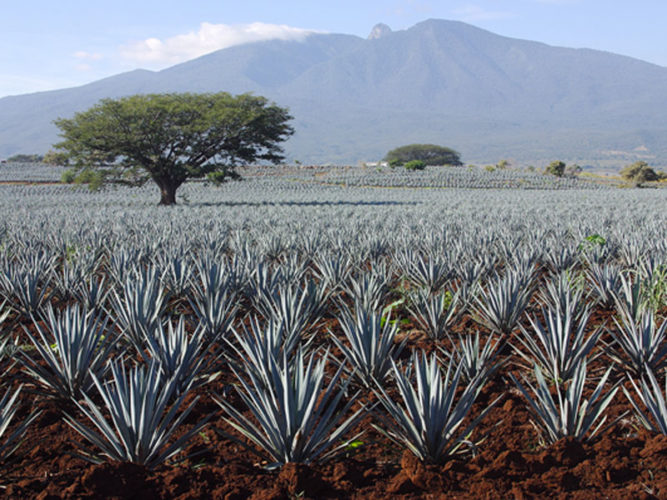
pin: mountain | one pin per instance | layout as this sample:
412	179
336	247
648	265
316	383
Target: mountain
445	82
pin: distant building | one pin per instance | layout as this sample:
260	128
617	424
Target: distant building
373	164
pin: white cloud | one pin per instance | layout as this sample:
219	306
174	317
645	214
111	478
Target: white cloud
209	38
88	56
475	13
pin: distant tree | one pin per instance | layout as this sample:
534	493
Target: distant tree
430	154
55	158
556	168
638	173
169	138
573	170
415	165
502	164
25	158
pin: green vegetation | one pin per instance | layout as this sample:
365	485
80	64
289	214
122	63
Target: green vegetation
415	165
556	168
25	158
430	154
169	138
55	158
94	179
68	176
639	173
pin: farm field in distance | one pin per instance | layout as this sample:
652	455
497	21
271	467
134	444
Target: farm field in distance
330	292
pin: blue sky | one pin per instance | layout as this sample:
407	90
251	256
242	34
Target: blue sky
54	44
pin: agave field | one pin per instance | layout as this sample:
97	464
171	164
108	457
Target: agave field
309	333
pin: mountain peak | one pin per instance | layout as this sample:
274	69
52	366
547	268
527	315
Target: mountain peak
438	79
378	31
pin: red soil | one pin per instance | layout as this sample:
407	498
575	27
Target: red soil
626	462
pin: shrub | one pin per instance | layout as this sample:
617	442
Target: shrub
94	178
415	165
68	177
556	168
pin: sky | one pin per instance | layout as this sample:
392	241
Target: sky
47	44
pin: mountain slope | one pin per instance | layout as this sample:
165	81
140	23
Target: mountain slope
446	82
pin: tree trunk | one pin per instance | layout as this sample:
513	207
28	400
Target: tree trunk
168	193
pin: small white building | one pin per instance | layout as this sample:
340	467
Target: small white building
374	164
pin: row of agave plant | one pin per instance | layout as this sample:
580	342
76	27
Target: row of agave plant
127	352
468	177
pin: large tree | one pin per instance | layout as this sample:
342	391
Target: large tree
169	138
430	154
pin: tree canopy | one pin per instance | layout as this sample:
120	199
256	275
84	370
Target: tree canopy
430	154
25	158
556	168
639	172
169	138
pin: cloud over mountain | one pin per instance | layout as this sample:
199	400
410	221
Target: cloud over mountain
210	37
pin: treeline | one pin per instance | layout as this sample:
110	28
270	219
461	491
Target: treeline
50	158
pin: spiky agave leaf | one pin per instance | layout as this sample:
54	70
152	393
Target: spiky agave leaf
25	287
630	300
178	354
214	298
435	313
605	281
429	272
73	347
563	295
296	309
638	345
177	272
142	420
477	360
653	398
371	342
333	270
569	415
5	311
368	290
92	293
297	420
560	344
256	347
429	422
139	308
500	305
8	408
